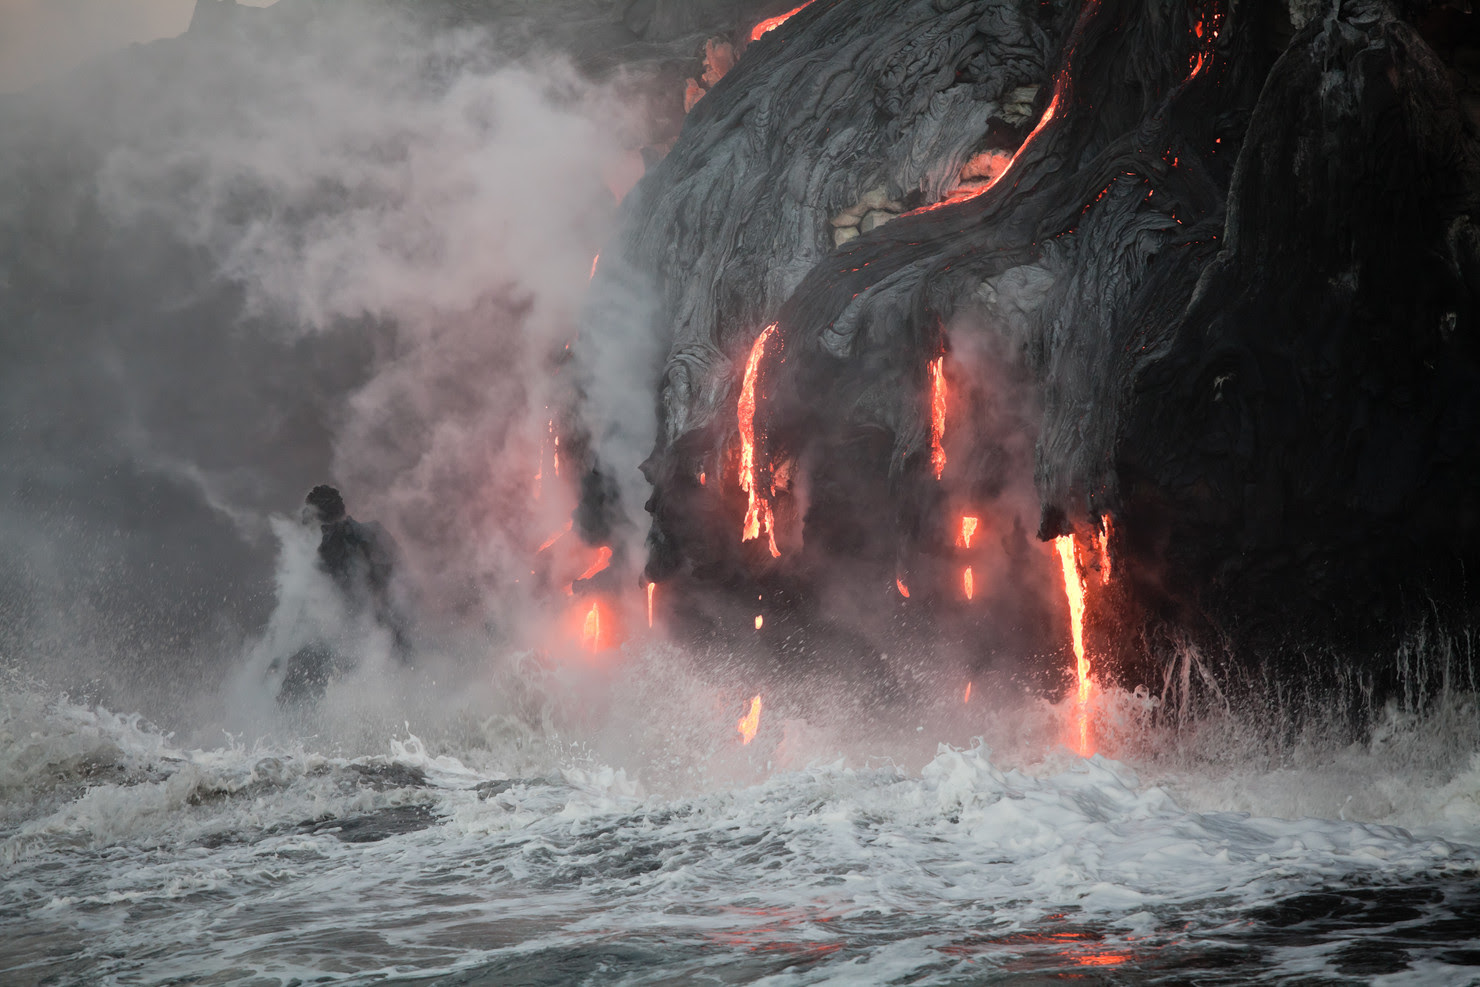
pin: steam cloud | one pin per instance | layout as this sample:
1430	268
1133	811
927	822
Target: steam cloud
348	247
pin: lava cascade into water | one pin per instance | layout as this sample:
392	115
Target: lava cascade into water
772	23
750	722
937	415
591	629
1074	593
758	515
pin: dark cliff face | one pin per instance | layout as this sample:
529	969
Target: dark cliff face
1224	291
1193	278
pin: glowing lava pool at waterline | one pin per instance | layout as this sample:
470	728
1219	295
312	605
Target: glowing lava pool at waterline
658	843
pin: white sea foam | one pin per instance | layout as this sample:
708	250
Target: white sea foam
810	856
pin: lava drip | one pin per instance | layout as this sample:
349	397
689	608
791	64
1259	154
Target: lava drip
937	415
758	515
591	629
1074	593
750	722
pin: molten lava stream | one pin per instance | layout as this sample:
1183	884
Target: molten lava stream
758	515
1102	540
750	722
591	629
772	23
968	530
603	559
1074	592
650	588
937	415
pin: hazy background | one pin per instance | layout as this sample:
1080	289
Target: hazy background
334	244
42	39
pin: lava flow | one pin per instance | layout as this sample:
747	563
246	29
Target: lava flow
603	559
1060	89
758	516
1102	539
772	23
750	722
968	530
554	538
968	583
650	588
1074	592
591	630
937	415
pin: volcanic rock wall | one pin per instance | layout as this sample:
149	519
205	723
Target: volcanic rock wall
1234	257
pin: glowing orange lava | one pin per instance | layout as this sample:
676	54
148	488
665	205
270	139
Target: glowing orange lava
758	516
1206	34
593	266
937	415
1101	959
759	620
751	721
553	538
772	23
650	588
591	632
1060	88
968	529
1102	539
1074	592
968	582
603	559
904	590
968	693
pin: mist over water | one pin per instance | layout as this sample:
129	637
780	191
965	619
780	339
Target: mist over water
360	260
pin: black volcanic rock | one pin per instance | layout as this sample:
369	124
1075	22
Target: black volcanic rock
1235	268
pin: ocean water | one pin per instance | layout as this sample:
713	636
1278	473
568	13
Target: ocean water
638	841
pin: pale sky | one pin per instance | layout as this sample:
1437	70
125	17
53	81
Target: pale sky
40	39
